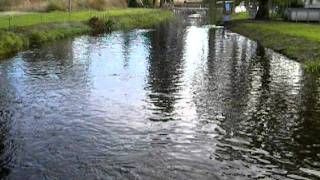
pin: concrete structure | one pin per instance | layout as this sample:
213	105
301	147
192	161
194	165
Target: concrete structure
311	12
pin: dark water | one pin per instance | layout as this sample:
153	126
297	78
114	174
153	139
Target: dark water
177	102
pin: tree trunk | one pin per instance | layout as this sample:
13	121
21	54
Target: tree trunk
154	3
161	3
263	11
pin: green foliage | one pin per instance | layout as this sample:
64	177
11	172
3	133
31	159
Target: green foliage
100	25
109	25
11	42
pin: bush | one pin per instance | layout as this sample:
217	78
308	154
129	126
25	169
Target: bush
100	25
11	43
55	5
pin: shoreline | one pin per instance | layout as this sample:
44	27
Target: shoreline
294	40
21	38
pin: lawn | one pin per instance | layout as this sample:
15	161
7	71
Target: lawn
20	20
301	30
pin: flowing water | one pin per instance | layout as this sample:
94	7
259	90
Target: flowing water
181	101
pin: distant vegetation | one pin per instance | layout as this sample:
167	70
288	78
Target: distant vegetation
59	5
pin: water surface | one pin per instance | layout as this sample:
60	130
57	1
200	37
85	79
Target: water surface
182	101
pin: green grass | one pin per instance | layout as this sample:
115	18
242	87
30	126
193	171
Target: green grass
145	20
39	28
300	41
240	16
58	17
301	30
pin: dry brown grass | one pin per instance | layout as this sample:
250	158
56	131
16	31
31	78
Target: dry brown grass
42	5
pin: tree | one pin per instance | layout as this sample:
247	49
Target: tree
154	2
263	11
265	5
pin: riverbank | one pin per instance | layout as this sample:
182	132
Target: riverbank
299	41
21	32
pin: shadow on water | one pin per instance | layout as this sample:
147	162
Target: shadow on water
6	151
165	70
182	101
7	146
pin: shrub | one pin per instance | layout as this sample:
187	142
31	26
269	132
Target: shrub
109	25
99	25
11	43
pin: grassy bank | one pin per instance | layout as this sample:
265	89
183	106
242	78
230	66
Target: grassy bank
39	28
240	16
300	41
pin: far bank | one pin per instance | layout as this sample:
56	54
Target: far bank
299	41
21	32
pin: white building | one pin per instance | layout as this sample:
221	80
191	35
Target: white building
312	3
310	12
